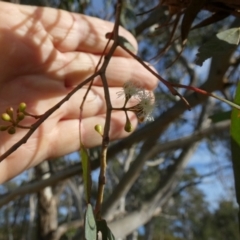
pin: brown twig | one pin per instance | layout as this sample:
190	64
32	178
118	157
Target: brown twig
169	85
105	141
44	117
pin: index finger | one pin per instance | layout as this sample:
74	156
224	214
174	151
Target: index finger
77	32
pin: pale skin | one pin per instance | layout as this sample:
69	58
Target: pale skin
44	53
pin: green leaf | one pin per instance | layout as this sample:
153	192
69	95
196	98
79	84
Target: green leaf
110	234
218	45
86	172
221	116
104	229
128	14
123	41
215	17
235	146
190	14
90	224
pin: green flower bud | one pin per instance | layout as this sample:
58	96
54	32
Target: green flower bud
9	111
128	126
3	128
20	116
22	106
6	117
98	128
11	130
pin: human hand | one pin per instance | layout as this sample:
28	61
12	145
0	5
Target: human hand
45	53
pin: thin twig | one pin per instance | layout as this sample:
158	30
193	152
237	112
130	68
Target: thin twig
105	141
169	85
44	117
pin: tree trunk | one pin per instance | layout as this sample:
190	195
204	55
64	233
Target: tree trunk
47	206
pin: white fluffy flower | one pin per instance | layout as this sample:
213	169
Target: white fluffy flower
145	107
129	89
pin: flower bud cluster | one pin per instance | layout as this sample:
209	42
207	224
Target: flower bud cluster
9	117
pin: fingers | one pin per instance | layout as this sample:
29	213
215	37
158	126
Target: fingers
120	70
70	47
73	68
59	140
94	104
69	33
66	137
76	32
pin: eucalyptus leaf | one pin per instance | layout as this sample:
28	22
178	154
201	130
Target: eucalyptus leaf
235	146
218	45
105	230
123	41
220	116
90	224
128	16
190	14
86	172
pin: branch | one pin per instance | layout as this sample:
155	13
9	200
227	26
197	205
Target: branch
199	180
154	17
44	117
149	208
76	169
63	228
215	81
36	186
194	137
105	137
138	217
147	153
148	150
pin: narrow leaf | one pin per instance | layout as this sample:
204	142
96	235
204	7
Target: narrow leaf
218	45
90	224
190	14
110	234
235	146
86	172
104	229
128	14
218	16
123	41
221	116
